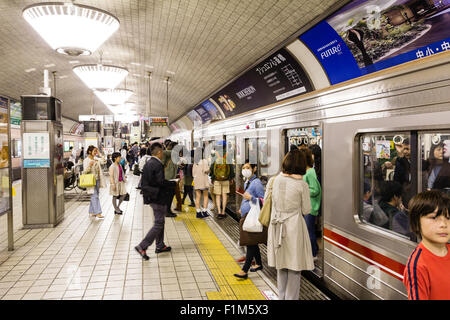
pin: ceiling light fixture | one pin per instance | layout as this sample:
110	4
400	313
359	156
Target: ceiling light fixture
99	76
114	97
70	28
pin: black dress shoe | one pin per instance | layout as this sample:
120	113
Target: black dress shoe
237	275
221	216
142	253
256	269
170	215
165	249
139	188
205	214
118	212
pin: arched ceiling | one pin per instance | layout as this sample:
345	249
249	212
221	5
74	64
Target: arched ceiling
205	43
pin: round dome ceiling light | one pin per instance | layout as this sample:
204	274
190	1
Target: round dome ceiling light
70	28
100	76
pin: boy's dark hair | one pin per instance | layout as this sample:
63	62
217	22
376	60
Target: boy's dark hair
114	156
155	148
294	163
425	203
389	189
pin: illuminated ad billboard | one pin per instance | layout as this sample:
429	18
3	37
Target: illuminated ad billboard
371	35
277	78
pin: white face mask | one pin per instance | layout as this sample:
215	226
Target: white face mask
247	173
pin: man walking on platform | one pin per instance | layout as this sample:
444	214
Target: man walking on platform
155	190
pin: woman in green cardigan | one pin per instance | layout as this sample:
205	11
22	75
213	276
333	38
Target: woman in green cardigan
316	197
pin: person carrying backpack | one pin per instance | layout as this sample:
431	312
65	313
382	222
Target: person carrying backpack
222	175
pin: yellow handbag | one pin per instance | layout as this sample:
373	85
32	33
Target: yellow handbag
87	180
266	210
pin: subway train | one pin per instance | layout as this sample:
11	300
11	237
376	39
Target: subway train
360	125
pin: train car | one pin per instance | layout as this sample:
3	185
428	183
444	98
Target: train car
363	127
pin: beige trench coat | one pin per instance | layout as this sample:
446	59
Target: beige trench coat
116	188
288	243
96	170
200	173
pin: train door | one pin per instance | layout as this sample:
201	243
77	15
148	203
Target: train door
232	203
311	138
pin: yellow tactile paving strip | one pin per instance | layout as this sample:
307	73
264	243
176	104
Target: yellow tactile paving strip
219	261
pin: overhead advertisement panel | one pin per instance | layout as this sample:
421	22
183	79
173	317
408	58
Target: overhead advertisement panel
277	78
371	35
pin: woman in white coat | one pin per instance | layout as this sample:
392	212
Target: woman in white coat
117	180
288	244
200	171
92	166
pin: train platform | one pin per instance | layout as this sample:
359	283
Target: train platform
87	259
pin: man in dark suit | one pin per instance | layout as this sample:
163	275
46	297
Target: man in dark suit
155	189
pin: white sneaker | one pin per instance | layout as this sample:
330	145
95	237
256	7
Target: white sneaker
99	217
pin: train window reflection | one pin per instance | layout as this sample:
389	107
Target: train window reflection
387	184
435	161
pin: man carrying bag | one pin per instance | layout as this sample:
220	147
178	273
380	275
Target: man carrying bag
155	189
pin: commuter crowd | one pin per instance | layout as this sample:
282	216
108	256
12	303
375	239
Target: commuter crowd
283	215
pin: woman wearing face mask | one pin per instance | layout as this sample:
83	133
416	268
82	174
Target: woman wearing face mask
254	191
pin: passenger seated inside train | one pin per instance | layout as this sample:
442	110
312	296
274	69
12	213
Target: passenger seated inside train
390	204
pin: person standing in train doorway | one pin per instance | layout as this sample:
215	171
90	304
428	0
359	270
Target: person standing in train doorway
222	175
426	275
156	190
315	192
288	243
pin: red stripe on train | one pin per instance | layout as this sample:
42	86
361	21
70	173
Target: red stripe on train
366	252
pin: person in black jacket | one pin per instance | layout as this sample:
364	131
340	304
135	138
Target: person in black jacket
402	172
155	189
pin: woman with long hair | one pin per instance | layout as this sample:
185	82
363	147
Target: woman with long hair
288	243
92	166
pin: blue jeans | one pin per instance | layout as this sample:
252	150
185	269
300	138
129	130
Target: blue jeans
94	206
310	224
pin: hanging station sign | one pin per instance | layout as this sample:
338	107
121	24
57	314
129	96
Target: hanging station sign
159	121
371	35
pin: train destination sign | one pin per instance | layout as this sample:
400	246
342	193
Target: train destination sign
371	35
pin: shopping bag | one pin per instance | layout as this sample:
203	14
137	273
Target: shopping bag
87	180
264	216
251	223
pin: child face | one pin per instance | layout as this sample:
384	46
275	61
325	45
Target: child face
435	229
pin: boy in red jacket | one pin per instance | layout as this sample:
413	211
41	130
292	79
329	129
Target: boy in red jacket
427	275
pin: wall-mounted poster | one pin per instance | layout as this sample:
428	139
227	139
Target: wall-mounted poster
15	112
370	35
277	78
383	149
195	118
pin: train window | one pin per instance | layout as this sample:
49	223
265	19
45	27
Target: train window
434	164
389	180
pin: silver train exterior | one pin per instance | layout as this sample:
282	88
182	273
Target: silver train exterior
413	96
